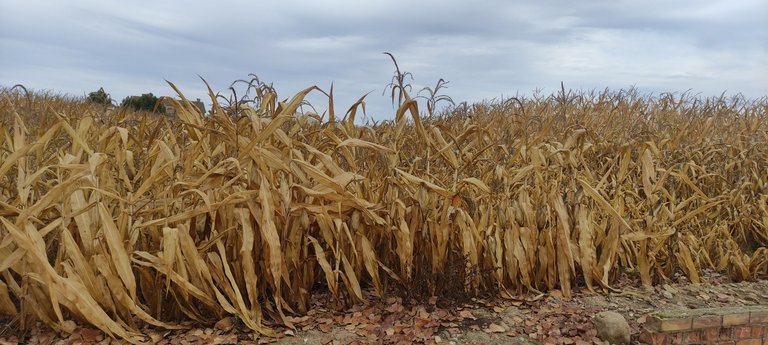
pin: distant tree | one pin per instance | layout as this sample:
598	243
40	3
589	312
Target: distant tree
99	97
146	101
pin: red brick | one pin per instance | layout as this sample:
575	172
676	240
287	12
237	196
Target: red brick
758	331
707	321
652	338
750	342
742	332
693	337
668	325
675	338
758	317
710	335
735	319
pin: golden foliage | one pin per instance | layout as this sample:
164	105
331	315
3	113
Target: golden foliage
111	218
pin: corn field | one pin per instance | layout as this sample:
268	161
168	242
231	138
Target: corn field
119	219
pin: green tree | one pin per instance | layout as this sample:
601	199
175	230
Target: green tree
99	97
146	101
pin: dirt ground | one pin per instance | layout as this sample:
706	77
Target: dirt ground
548	319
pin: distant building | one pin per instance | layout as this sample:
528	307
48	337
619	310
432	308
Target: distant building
171	111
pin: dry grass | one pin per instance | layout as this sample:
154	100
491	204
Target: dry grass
119	219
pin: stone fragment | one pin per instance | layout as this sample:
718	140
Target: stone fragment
612	327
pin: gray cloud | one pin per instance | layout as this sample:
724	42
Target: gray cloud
484	48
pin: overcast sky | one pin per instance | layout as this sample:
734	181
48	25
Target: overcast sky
486	49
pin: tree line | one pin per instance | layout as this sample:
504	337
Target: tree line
146	101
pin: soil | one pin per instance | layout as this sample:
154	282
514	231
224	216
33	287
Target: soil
544	319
